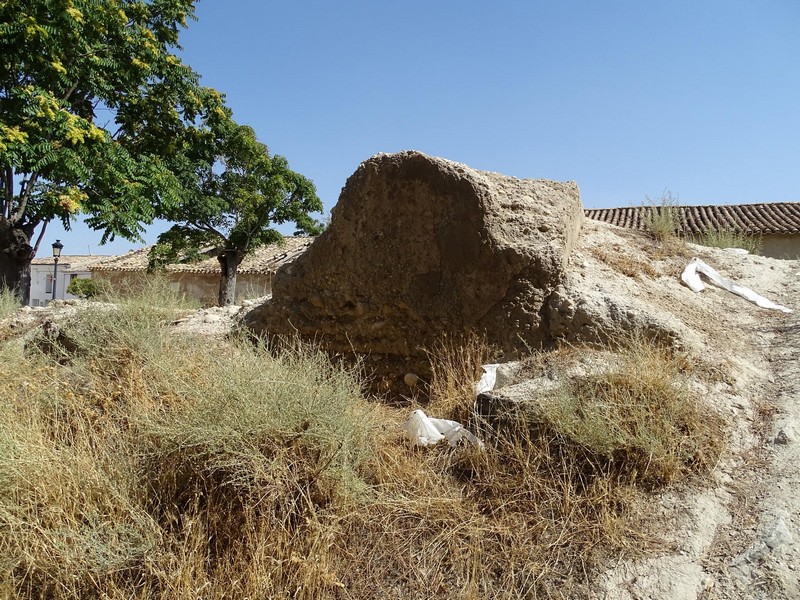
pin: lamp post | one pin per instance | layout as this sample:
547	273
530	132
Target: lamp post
56	254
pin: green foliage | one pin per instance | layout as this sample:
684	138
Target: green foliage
235	201
97	112
88	289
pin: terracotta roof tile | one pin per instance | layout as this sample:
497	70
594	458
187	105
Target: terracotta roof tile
72	262
753	219
264	260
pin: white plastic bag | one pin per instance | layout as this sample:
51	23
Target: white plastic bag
488	379
424	431
691	277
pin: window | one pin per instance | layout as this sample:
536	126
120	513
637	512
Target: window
48	286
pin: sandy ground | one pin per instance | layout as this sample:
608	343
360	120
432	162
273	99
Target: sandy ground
736	535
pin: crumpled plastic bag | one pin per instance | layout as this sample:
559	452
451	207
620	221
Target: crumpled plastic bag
424	431
487	380
691	277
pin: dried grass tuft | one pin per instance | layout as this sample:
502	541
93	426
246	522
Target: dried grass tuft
624	263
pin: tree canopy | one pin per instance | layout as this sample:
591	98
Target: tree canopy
97	115
235	201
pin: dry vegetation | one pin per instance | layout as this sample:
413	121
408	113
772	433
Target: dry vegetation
8	303
628	265
663	223
727	238
151	465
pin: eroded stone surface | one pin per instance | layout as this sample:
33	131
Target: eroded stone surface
420	246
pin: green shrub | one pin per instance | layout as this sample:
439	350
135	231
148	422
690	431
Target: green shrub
88	289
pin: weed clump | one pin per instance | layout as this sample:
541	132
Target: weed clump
456	365
638	418
663	217
728	238
9	302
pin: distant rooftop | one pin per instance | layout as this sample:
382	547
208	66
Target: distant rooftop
751	219
263	260
72	262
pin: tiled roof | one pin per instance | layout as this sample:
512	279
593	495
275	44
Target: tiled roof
263	260
754	219
72	262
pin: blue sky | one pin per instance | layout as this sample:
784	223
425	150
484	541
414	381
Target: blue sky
628	98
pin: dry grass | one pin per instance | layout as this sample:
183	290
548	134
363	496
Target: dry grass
727	238
626	264
9	302
154	465
663	224
638	416
663	218
456	366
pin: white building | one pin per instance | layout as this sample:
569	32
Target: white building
69	268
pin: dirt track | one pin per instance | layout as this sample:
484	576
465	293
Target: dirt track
737	536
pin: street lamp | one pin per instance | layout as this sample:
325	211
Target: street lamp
56	254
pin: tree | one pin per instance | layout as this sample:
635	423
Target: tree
236	200
97	115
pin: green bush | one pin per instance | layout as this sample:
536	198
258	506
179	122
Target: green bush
88	288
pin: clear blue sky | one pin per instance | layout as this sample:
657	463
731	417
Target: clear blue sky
628	98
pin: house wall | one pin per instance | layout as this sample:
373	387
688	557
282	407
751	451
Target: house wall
41	276
201	286
205	286
781	246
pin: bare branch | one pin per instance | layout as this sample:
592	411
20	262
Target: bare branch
39	239
25	194
9	193
208	228
70	92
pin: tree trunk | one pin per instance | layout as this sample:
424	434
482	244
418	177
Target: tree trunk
229	262
16	255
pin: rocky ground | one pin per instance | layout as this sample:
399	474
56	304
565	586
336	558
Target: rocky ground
736	534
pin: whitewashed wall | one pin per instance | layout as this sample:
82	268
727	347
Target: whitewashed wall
41	274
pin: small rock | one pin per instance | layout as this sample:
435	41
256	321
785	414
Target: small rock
506	374
778	536
781	439
411	379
